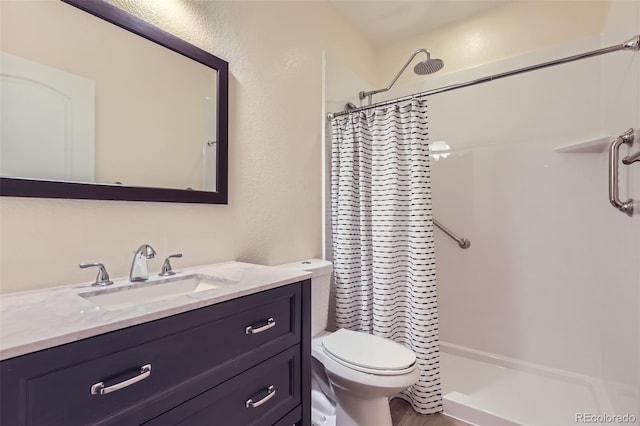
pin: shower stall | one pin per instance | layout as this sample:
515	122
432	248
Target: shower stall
540	316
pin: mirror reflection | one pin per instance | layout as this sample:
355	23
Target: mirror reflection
86	101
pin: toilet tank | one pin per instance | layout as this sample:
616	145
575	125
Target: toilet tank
320	290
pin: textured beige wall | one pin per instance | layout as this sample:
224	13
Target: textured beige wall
499	33
274	50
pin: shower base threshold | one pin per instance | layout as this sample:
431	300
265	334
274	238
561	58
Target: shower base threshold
489	390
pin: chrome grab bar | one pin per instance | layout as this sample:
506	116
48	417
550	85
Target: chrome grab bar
462	242
625	207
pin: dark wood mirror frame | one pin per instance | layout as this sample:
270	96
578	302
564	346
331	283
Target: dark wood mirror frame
16	187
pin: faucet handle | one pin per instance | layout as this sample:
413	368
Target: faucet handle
102	279
166	266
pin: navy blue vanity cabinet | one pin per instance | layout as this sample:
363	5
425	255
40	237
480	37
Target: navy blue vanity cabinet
242	362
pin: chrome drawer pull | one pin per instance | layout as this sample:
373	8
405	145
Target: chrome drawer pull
271	392
99	389
270	323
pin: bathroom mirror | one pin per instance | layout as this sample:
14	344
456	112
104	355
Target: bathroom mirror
156	130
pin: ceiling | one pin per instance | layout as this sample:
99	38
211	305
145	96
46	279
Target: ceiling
386	21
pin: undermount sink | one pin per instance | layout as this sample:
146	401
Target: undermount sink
150	291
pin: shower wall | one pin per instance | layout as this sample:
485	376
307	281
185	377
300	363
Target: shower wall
620	106
553	273
530	286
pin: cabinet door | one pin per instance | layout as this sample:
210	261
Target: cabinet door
261	396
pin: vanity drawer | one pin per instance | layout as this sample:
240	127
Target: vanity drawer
260	396
182	365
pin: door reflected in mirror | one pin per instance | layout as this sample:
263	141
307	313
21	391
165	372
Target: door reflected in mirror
86	101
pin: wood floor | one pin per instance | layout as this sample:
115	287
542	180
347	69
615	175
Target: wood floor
403	415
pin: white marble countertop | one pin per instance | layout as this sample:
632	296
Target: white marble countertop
34	320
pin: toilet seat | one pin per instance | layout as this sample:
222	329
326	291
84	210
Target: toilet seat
368	354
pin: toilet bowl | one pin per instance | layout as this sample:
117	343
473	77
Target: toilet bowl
364	371
354	373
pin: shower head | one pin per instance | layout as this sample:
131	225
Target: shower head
428	66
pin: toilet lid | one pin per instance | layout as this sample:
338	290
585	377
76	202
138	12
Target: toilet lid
368	351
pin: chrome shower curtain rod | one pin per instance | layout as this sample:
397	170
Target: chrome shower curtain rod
632	44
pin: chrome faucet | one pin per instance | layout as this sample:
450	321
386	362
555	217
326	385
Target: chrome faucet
139	267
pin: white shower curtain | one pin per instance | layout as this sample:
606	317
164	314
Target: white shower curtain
383	245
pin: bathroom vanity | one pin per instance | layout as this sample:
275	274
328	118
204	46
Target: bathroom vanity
235	354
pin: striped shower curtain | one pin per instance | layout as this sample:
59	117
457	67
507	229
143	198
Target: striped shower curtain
383	244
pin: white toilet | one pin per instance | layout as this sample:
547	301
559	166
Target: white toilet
354	373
